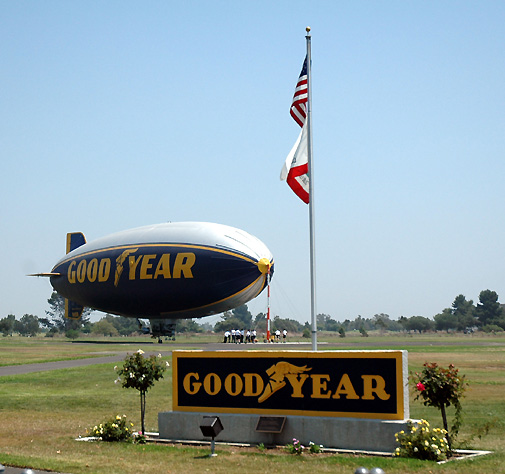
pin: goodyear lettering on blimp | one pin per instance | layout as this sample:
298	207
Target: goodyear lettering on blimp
165	271
138	266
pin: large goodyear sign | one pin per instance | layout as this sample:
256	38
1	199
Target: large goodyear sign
360	384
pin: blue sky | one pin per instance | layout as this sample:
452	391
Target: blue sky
119	114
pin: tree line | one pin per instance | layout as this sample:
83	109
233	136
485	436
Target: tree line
487	315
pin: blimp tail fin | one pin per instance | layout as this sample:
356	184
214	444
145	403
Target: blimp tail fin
75	240
73	310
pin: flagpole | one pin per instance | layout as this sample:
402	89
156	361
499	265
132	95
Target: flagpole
311	199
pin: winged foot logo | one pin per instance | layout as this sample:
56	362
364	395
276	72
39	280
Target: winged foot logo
278	374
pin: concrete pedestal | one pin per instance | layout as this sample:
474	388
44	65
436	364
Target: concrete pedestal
340	433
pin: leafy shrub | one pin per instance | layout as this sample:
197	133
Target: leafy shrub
439	388
422	443
72	334
296	447
115	429
315	448
492	328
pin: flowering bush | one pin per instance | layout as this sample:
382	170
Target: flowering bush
140	373
296	447
115	429
422	443
439	387
315	448
139	438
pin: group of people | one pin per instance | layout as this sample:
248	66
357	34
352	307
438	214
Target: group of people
277	336
239	336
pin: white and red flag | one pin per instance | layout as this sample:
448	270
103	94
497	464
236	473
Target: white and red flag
296	167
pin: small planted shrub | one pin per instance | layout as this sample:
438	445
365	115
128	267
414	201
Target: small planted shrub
422	442
295	447
439	387
315	448
141	373
115	429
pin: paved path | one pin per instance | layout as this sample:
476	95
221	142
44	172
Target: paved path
165	350
22	470
61	364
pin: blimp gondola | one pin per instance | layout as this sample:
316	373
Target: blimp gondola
163	272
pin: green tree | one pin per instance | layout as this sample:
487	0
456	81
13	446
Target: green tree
188	325
243	314
124	326
321	321
446	320
489	311
382	321
72	334
28	325
227	323
326	323
290	325
140	373
464	311
46	323
7	325
57	314
260	320
419	323
239	318
104	327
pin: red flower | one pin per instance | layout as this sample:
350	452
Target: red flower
420	387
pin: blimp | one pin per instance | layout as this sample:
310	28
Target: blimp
162	272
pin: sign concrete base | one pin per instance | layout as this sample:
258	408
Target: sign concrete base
339	433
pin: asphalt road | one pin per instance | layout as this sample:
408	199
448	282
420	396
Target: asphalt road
164	349
22	470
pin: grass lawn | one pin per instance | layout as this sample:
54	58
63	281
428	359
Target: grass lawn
42	413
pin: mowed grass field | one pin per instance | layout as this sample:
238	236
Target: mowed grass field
42	413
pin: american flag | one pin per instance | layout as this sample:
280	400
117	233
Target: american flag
299	106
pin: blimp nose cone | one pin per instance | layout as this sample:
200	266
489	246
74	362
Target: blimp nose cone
264	265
